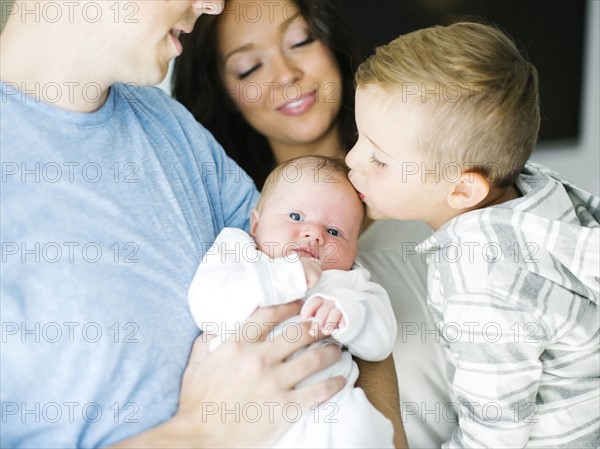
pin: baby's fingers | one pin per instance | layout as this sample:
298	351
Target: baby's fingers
332	321
323	313
310	308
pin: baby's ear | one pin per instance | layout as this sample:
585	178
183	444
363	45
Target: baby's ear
254	217
470	190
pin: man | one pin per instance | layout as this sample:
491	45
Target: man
111	193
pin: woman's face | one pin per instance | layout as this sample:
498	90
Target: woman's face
285	83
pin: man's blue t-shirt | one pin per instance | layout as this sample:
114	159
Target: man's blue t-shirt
105	217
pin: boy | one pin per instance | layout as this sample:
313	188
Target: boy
303	241
447	119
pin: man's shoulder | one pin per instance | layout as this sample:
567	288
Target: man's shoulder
150	98
158	113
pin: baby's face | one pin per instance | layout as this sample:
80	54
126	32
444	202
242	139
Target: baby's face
317	215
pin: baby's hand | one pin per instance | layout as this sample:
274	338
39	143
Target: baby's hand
325	313
312	271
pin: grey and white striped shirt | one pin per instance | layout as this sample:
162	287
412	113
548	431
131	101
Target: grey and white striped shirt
514	290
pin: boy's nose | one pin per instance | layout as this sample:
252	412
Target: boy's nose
351	158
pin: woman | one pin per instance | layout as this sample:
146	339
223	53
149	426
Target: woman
288	92
272	85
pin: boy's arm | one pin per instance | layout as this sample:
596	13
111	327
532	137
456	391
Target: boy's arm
234	278
370	325
496	348
379	381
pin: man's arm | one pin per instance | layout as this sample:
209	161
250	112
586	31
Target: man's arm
379	381
243	372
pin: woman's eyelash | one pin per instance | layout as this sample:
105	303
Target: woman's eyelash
247	73
377	162
307	41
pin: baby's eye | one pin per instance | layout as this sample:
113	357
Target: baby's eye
334	232
295	216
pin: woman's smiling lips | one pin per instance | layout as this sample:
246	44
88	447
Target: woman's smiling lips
299	106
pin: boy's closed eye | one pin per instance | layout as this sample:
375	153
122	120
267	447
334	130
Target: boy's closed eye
377	162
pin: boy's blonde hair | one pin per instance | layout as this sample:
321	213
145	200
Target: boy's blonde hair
321	168
479	91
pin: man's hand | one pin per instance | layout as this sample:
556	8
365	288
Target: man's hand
222	392
325	313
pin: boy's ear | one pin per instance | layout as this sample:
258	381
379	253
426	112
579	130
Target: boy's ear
470	190
254	217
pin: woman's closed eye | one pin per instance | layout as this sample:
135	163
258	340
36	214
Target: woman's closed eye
309	40
248	72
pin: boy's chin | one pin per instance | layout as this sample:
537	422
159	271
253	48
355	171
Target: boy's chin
376	215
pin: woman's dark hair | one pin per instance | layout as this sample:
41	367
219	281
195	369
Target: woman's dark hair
198	86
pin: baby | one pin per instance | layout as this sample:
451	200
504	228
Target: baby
302	244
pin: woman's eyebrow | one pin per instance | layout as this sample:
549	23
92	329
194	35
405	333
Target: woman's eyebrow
243	48
288	21
249	46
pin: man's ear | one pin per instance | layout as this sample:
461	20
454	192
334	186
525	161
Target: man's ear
254	217
470	190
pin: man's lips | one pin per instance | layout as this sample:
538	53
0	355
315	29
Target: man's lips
175	33
175	37
361	196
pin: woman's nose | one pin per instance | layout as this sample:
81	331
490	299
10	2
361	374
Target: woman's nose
286	72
